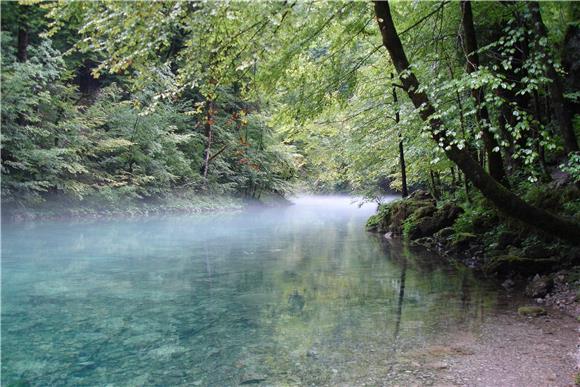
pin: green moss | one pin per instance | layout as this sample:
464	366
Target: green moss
382	219
409	225
373	222
531	311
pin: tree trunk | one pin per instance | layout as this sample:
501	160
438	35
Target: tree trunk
404	191
209	137
22	49
571	57
506	201
495	162
563	112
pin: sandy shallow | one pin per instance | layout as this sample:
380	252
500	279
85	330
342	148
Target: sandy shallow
507	350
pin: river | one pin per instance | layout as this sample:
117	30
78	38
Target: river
279	296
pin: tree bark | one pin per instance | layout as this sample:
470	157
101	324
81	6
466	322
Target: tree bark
209	137
563	112
404	190
22	49
506	201
495	162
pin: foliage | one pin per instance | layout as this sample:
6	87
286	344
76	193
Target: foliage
229	98
139	138
572	167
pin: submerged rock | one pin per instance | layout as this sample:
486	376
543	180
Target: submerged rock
531	311
313	353
296	302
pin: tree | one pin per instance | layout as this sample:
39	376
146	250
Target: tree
404	190
495	162
502	198
562	109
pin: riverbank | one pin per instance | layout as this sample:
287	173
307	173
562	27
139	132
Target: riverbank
474	235
533	340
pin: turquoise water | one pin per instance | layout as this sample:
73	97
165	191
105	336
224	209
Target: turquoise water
285	296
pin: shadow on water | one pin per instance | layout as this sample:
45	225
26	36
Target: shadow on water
299	294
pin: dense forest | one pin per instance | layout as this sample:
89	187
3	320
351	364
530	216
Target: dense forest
109	102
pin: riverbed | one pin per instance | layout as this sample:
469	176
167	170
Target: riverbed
297	295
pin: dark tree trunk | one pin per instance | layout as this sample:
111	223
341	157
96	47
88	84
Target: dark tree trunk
22	49
434	189
404	190
506	201
495	162
561	108
453	180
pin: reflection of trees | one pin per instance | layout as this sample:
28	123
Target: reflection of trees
383	296
400	299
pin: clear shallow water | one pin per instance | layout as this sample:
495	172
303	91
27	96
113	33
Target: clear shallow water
296	295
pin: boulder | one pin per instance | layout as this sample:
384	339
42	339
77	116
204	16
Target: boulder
425	211
426	242
445	233
419	227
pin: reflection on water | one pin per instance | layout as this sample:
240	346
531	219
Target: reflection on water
296	295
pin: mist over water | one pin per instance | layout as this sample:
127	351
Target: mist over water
291	295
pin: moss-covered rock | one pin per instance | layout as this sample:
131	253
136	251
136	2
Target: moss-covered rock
405	210
426	242
463	239
381	221
531	311
415	217
426	222
373	223
425	211
445	233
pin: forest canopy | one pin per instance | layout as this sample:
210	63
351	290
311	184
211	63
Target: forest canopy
107	101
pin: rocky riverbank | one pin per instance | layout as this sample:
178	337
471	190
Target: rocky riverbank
544	268
535	341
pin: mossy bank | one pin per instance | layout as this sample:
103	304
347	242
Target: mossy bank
476	235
